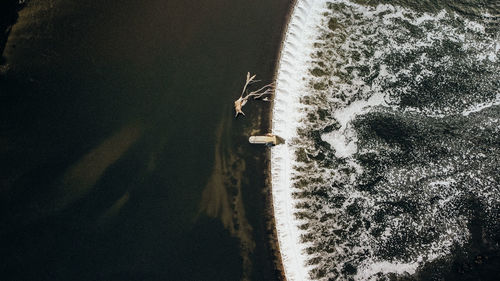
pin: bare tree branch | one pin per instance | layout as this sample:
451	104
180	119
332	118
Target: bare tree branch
242	100
268	90
249	79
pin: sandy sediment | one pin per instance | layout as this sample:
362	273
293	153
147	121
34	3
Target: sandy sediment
8	16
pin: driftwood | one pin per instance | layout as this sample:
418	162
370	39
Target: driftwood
243	99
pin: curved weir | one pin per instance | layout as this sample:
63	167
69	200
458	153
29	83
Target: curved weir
290	83
390	115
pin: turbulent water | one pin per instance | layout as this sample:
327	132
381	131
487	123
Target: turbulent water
396	156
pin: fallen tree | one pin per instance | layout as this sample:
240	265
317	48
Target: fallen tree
243	99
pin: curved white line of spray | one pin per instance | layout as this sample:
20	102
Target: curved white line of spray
290	86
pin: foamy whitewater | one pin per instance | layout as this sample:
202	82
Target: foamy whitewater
391	120
293	64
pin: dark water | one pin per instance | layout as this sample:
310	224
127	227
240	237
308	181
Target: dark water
398	175
120	156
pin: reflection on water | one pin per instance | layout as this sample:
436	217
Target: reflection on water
222	195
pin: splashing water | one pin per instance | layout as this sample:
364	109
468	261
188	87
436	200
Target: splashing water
392	139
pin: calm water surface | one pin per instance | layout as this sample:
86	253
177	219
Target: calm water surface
120	156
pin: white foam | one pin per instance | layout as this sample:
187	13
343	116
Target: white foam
290	86
344	101
479	107
343	140
369	272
